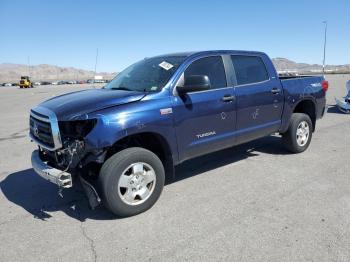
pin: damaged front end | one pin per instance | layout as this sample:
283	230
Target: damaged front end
64	156
343	104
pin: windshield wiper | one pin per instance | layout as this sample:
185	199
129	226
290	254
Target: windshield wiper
122	88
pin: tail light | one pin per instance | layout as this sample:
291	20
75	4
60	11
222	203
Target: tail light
325	85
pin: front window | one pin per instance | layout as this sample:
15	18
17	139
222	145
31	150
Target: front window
147	75
212	67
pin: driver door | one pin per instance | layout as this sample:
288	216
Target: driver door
205	120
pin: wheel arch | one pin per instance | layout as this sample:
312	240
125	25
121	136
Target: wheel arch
307	106
152	141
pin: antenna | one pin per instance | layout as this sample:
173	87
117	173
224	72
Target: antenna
324	46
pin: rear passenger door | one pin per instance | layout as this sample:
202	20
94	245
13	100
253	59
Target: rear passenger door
259	98
205	120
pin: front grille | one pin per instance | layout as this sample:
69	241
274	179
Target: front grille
44	128
40	129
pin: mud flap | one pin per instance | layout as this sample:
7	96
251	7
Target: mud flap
91	193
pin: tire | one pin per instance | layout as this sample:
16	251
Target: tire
123	168
298	143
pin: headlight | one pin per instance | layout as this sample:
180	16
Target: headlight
76	129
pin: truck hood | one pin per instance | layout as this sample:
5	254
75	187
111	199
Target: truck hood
73	105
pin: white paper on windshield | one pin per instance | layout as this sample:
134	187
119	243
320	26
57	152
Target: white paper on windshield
165	65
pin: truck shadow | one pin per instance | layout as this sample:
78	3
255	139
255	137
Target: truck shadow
40	198
267	145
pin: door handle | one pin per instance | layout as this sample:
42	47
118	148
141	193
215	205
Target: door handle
275	90
228	98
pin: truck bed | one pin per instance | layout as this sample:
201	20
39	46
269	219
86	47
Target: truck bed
284	77
304	84
307	87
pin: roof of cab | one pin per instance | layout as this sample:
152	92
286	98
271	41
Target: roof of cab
211	52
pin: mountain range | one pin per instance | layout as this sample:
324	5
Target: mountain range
44	72
13	72
284	64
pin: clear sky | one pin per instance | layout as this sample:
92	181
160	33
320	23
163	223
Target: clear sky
67	33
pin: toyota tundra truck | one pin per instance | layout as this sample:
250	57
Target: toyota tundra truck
122	141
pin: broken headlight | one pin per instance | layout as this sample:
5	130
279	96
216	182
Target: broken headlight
76	129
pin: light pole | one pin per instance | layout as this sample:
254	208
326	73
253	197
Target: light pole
324	45
96	62
28	63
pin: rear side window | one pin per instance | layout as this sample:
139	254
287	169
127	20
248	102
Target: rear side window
249	69
212	67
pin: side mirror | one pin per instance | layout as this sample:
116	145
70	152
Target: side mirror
194	83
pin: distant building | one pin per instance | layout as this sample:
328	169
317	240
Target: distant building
98	77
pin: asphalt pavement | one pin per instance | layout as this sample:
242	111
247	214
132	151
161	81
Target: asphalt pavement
254	202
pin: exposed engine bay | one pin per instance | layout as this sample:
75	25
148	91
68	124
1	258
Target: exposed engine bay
76	157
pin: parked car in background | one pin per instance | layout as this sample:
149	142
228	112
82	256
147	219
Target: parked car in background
8	84
343	103
44	83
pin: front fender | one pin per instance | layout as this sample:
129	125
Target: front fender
144	116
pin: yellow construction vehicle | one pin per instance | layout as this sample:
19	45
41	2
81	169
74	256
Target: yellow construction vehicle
25	82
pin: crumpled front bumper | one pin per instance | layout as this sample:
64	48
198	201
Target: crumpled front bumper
61	178
343	105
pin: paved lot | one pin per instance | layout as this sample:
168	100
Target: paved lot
254	202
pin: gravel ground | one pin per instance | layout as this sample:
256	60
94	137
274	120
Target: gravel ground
254	202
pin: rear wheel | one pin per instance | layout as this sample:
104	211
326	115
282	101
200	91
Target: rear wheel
131	181
299	134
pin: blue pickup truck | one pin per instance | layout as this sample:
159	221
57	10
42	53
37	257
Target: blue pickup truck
122	141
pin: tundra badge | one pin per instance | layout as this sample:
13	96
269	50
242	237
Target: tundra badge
211	133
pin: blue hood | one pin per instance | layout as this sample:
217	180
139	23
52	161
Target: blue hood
72	105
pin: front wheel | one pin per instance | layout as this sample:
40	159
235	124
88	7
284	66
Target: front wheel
298	136
131	181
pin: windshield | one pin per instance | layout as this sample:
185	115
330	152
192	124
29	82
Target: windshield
147	75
